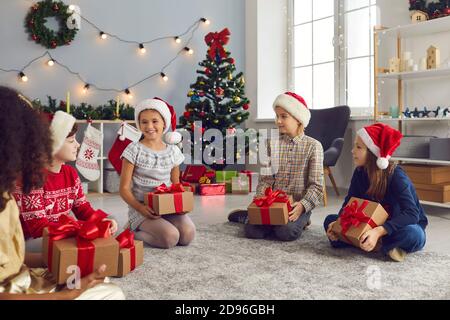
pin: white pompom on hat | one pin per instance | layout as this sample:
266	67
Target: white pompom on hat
382	140
168	114
295	105
60	126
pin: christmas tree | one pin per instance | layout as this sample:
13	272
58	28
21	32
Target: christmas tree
218	101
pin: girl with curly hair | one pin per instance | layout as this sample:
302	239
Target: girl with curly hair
26	149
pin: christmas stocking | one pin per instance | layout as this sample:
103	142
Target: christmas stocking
126	135
87	156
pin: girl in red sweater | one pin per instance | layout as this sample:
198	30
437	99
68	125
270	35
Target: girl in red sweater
62	191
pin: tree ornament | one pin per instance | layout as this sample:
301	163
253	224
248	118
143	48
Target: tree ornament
190	93
207	71
202	114
216	121
236	99
187	114
230	76
246	106
219	91
239	118
231	60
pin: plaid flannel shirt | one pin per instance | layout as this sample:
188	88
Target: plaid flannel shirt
295	166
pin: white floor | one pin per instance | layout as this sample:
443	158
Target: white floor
214	209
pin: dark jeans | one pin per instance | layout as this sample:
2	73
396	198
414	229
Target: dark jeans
289	232
410	238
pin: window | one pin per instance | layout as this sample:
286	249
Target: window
332	52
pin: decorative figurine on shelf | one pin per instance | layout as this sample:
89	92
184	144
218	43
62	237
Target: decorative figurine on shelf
433	57
407	113
419	16
438	113
426	113
446	112
394	65
416	113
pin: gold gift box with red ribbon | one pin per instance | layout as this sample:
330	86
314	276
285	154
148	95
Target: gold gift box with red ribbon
357	217
271	209
131	253
78	248
169	200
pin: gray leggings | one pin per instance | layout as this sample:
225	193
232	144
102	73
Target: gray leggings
289	232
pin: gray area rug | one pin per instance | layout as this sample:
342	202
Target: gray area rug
222	264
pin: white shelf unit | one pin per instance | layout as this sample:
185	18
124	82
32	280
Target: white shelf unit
409	31
97	186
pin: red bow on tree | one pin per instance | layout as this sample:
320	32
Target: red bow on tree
216	41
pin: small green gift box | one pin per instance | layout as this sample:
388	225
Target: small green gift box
225	177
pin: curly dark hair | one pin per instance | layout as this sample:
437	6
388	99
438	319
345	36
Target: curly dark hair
25	145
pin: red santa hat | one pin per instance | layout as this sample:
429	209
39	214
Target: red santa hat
381	140
295	105
168	114
60	126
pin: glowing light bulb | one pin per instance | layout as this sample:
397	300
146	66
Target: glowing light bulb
51	63
103	35
142	48
164	77
177	39
23	77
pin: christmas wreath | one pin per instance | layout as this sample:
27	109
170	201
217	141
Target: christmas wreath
36	19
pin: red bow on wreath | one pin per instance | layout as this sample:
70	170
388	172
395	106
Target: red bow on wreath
216	41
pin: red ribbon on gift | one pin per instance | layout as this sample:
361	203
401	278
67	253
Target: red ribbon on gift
176	189
268	199
216	41
353	215
126	241
249	174
85	232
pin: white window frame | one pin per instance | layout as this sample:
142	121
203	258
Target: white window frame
340	52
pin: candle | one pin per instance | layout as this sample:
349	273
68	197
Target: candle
68	102
117	107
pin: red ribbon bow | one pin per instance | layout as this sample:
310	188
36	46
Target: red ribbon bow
266	201
353	216
85	232
216	41
176	189
126	241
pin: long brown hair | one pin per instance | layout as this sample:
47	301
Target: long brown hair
25	145
378	178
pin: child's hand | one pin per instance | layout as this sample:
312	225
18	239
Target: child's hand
148	212
369	240
113	228
296	212
330	233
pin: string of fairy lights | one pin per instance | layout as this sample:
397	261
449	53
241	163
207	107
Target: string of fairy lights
141	46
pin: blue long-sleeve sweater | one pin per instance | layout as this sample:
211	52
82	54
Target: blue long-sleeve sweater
400	200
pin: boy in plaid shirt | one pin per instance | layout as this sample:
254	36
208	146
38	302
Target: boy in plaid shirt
296	167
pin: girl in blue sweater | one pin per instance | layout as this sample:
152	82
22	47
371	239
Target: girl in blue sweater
377	179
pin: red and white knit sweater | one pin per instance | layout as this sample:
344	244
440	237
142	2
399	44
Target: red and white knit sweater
61	193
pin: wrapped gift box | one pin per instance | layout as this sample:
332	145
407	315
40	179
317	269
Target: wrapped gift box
193	173
61	255
240	184
253	179
272	209
357	217
427	174
225	177
131	253
212	189
170	200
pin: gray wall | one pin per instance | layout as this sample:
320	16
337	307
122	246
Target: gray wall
114	64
